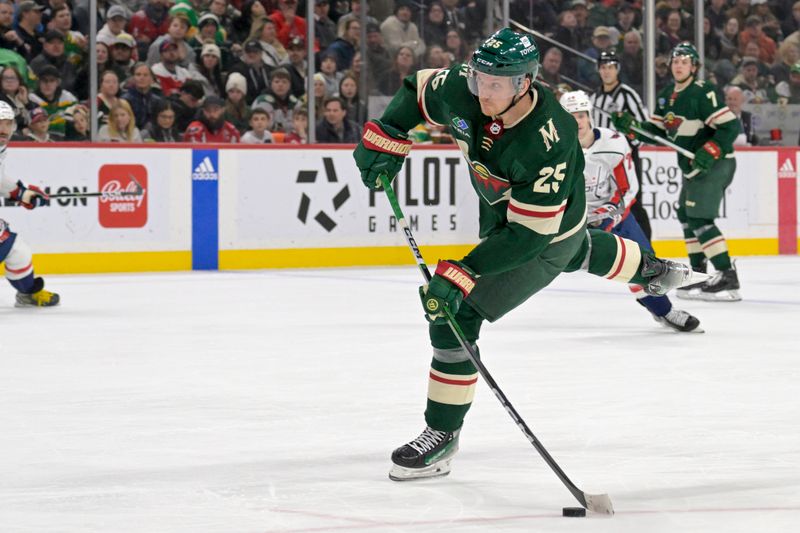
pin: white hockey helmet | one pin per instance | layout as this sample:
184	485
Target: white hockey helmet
7	112
575	102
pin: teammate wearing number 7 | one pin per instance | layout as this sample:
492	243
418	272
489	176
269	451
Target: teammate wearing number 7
692	113
526	166
611	187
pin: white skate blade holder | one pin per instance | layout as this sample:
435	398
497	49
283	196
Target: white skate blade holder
438	469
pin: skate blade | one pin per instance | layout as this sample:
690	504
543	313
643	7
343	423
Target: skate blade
722	296
695	278
401	473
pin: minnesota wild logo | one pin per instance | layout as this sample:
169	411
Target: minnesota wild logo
491	187
672	124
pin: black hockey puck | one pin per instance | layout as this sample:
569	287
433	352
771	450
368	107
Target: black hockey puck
573	511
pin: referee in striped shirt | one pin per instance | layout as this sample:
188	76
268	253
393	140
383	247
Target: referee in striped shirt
613	96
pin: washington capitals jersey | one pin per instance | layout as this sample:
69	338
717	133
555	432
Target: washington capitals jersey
528	175
610	175
6	184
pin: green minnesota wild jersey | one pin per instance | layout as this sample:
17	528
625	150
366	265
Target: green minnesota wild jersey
691	117
528	176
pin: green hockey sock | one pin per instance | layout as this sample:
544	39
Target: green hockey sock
713	244
451	387
615	258
696	255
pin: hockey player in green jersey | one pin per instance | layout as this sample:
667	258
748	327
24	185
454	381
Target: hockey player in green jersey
526	166
692	114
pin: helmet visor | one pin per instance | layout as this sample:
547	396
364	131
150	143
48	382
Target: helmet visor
491	86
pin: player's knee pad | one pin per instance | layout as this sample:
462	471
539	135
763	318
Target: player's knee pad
19	261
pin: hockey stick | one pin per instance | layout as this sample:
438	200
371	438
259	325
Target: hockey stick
657	138
138	192
598	503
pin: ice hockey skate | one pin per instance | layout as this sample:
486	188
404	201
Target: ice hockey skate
721	287
38	298
679	320
664	275
427	456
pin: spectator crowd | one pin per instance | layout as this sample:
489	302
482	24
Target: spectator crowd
235	70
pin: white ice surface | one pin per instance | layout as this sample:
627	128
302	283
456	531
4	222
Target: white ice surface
270	401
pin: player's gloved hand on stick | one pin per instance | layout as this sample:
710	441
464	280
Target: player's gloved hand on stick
606	216
452	282
706	156
28	196
624	122
382	150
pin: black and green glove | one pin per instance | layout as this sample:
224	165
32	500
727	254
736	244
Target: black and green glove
382	150
624	123
452	282
706	156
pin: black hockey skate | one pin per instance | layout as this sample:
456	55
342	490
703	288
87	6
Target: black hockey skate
428	455
38	297
663	275
679	320
722	287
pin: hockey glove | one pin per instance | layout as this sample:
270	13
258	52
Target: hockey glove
606	216
624	123
28	196
452	282
706	156
382	150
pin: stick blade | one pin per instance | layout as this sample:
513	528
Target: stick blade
599	503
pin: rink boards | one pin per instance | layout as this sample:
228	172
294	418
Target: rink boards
255	207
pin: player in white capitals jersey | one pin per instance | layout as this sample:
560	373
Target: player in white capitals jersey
611	187
14	252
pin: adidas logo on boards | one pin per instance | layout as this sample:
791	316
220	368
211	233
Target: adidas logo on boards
205	170
787	169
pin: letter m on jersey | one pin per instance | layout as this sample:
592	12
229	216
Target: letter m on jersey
549	134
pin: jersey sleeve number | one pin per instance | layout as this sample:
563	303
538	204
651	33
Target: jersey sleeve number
713	97
438	80
543	186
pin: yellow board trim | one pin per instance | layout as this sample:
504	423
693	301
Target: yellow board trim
736	247
108	262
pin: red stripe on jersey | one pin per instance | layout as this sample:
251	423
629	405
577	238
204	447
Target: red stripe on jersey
623	185
536	214
421	96
20	271
715	115
621	259
446	381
